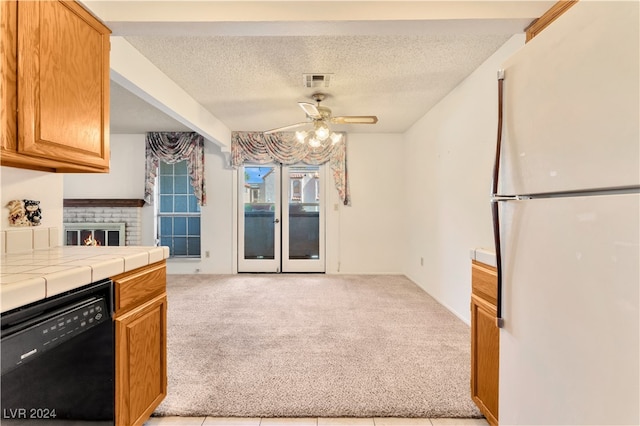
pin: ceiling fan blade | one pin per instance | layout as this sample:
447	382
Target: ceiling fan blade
282	129
355	119
311	110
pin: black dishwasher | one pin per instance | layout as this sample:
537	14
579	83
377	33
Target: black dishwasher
58	360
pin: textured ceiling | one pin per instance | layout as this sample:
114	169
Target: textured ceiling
254	83
252	78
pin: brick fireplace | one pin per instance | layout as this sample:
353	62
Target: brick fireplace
103	217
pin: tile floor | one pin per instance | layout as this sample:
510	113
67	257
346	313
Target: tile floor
310	421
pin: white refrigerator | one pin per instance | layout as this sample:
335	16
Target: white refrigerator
566	194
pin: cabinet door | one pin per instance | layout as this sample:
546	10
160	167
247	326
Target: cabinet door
63	83
485	358
8	73
141	361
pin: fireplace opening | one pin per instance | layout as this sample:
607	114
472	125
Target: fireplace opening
98	234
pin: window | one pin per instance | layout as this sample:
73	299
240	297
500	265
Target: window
255	195
178	211
296	189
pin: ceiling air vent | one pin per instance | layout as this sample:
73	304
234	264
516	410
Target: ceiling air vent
316	80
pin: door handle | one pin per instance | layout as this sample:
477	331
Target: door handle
276	221
495	206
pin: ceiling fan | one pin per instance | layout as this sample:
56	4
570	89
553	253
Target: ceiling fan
320	116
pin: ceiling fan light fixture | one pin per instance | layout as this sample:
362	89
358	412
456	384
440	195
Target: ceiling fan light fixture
321	131
314	143
301	136
319	116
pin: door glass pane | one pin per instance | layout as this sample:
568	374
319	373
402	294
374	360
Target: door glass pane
304	212
259	212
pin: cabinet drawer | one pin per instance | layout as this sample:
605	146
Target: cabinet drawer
138	286
484	281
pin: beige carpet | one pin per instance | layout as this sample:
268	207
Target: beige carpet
313	345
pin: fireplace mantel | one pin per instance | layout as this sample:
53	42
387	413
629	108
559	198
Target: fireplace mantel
102	202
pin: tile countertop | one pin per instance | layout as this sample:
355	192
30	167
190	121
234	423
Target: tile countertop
37	274
483	255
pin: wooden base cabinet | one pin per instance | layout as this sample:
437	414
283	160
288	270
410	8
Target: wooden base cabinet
141	343
485	341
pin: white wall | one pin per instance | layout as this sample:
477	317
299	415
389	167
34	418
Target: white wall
126	173
367	236
18	184
448	159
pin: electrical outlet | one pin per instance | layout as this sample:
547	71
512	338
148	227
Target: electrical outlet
206	253
422	261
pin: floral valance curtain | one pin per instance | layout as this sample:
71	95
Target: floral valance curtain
256	147
173	147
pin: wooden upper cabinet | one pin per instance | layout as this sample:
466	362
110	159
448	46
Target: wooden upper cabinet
60	71
8	73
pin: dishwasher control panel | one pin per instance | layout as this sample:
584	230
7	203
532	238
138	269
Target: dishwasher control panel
51	330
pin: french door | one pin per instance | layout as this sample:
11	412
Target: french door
281	218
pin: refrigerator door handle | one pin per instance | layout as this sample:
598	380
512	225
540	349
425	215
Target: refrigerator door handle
496	163
495	199
496	238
